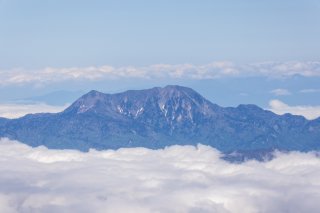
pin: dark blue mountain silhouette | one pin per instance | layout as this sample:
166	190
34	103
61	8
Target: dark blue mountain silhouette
159	117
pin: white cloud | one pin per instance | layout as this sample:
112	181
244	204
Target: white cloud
285	69
212	70
19	110
280	92
175	179
50	75
310	112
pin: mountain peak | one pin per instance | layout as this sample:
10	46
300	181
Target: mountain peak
171	91
159	117
93	93
174	87
86	102
178	88
170	101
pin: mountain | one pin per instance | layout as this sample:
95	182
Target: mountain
159	117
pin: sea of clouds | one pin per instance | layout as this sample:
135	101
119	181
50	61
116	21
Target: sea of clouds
174	179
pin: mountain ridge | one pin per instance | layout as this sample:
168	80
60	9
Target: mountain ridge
159	117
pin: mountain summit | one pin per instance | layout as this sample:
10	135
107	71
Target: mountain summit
162	107
134	100
159	117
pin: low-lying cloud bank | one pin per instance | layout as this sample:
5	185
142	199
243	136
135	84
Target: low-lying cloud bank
216	69
280	108
19	110
175	179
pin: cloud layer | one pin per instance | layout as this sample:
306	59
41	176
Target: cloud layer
19	110
175	179
280	92
309	112
213	70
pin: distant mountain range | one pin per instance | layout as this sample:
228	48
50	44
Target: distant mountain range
160	117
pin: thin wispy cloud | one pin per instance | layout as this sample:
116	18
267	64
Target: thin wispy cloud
285	69
175	179
280	92
309	112
179	71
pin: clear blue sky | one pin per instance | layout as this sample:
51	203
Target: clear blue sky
64	33
35	34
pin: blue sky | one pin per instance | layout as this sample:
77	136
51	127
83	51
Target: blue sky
58	33
232	52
